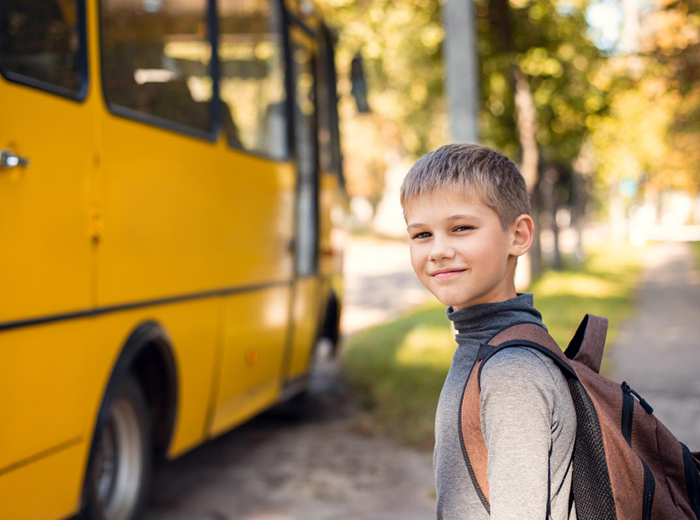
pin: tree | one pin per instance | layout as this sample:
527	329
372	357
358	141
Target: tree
651	133
537	64
401	46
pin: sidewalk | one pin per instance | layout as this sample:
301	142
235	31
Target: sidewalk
379	283
658	351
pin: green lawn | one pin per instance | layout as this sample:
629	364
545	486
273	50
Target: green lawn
696	250
397	368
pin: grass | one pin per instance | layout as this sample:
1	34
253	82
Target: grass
397	368
696	250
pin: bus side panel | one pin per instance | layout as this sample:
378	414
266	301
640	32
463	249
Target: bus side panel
307	309
331	234
49	389
183	215
44	490
255	333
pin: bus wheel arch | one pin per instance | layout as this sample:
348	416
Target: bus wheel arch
147	363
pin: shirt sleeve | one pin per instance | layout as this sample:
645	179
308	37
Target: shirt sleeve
517	405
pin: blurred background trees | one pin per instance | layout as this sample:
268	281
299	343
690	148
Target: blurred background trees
599	102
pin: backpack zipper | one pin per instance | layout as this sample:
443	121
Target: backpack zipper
649	488
692	481
628	389
627	413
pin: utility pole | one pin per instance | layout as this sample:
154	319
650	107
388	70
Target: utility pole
461	69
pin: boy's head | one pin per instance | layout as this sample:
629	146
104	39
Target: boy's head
466	208
472	169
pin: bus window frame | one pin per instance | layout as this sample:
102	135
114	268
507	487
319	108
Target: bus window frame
291	20
78	95
334	119
210	135
284	31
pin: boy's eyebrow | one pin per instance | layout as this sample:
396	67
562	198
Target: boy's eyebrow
453	217
459	217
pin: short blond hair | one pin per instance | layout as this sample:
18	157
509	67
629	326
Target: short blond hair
474	169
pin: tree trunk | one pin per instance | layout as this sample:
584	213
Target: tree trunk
535	253
526	117
526	114
578	215
527	127
549	186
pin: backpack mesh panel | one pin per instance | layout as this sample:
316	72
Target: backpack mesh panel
591	481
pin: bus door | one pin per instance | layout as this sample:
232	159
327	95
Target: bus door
46	154
307	298
46	247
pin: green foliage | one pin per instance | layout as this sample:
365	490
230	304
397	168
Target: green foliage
640	113
551	45
653	128
402	47
397	368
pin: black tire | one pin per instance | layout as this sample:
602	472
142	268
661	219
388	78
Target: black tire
331	323
118	479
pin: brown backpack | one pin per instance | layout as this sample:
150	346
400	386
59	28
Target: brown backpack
626	464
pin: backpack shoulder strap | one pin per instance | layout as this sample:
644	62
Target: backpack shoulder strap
588	343
527	335
471	436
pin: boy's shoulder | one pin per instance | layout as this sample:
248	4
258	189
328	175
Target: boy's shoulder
522	369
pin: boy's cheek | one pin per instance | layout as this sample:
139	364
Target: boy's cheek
418	263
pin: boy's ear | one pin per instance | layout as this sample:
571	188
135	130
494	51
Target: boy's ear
523	232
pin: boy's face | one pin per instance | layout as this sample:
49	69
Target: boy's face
459	250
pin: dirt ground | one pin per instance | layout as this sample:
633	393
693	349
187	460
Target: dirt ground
320	465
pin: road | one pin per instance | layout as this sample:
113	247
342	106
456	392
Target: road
658	350
322	466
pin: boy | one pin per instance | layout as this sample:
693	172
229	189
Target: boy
466	210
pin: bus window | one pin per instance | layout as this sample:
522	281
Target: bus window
40	44
251	55
155	61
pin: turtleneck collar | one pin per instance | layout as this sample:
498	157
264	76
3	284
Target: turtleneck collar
481	322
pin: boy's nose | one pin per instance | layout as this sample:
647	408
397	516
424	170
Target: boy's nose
441	250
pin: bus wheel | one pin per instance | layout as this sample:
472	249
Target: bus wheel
331	323
120	470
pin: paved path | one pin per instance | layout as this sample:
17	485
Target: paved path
658	350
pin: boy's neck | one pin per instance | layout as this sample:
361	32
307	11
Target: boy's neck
480	322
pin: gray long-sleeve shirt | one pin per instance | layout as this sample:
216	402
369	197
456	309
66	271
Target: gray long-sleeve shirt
528	421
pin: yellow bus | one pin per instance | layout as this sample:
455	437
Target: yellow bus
170	194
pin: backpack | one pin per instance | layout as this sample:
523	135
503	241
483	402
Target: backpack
626	464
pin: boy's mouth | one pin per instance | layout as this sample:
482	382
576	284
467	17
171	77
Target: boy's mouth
447	273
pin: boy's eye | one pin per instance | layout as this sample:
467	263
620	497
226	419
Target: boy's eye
423	234
464	228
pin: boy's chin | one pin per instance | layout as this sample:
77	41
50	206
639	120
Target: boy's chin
455	303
